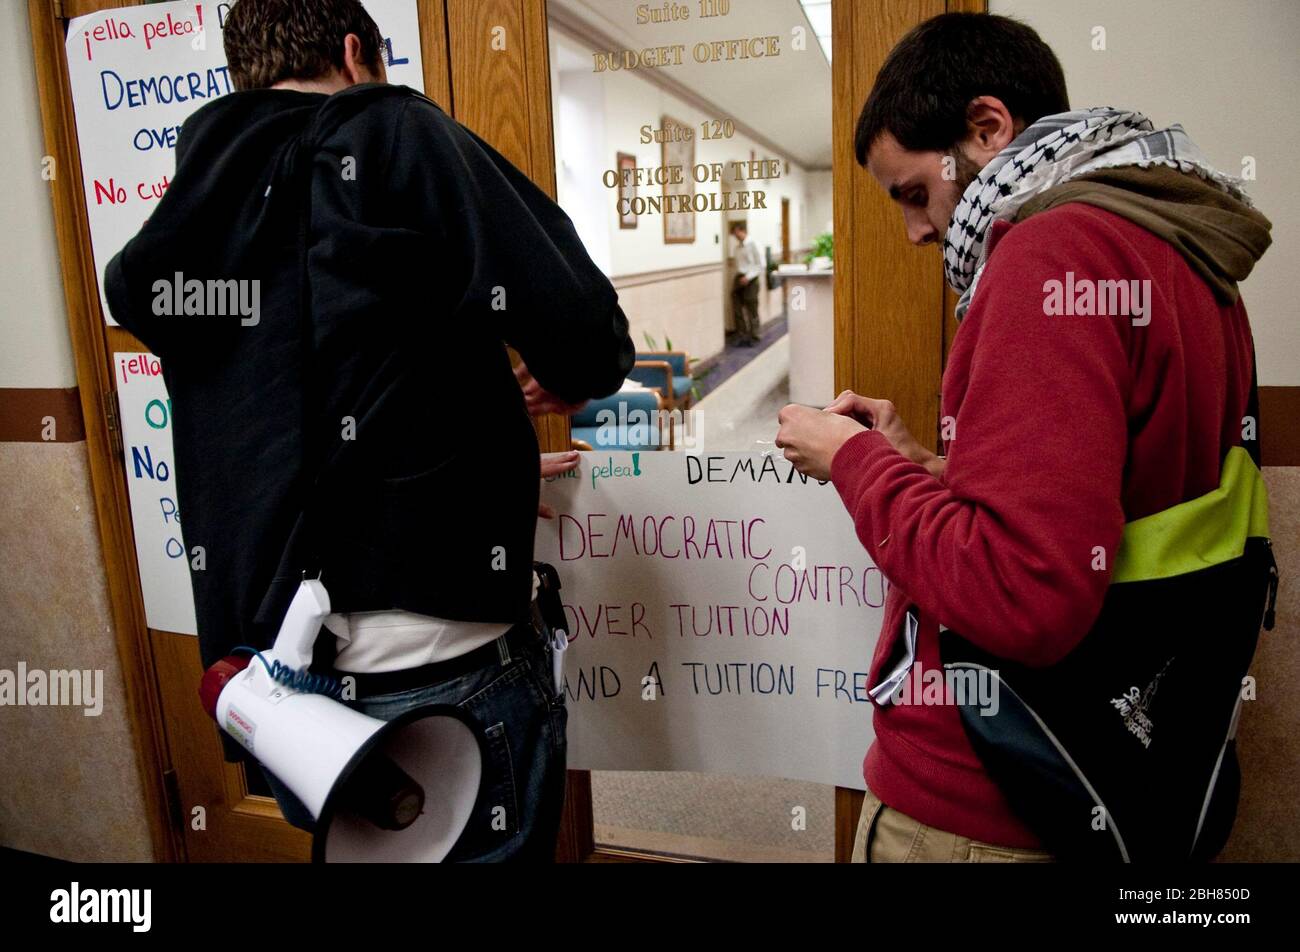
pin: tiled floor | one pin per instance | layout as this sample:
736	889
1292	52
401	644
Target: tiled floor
740	415
735	358
714	816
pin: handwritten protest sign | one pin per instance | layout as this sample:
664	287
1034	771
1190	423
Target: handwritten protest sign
722	615
138	72
146	414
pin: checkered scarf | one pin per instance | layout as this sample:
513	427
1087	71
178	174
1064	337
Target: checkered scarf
1053	150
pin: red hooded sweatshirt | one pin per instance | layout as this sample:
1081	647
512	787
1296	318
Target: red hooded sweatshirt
1066	426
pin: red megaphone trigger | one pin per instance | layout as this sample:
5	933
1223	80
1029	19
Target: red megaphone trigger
217	677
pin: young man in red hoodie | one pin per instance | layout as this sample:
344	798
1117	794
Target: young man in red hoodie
1101	372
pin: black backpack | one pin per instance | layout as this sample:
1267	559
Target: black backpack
1125	750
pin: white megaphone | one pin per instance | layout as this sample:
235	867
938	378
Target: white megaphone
398	791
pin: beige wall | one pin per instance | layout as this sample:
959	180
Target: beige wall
681	306
69	787
36	351
1228	72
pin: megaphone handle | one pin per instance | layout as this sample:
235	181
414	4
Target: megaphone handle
297	637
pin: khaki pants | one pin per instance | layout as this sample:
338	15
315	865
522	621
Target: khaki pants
887	836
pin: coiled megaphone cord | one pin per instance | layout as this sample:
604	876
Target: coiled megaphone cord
304	682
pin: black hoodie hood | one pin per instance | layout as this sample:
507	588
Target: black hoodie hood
238	166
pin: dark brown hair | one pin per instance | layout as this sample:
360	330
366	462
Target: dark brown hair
922	91
268	41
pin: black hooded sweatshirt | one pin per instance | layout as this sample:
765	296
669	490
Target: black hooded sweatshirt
395	255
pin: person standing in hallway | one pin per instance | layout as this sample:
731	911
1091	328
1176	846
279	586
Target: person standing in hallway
744	294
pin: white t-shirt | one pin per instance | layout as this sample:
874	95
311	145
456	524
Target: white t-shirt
372	642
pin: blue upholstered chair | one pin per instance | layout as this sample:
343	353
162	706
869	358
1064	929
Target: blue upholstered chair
627	420
668	372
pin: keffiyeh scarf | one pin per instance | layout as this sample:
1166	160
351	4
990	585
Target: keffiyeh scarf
1053	150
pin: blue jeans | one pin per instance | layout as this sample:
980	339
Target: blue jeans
521	723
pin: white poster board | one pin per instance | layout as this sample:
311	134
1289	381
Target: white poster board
138	72
146	421
740	589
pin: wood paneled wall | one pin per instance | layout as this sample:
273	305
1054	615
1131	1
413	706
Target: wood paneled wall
888	294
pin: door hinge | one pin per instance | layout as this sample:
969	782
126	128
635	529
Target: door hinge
172	790
113	419
58	10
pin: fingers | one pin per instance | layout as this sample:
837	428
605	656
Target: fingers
844	403
788	418
866	410
553	464
877	412
845	397
792	411
853	405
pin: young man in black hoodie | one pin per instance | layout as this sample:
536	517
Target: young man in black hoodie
330	282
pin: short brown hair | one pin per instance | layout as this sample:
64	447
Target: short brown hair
928	80
268	41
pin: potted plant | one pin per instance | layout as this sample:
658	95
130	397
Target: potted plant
823	252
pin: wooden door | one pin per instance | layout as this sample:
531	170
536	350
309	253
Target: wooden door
785	231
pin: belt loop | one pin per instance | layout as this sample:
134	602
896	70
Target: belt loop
503	650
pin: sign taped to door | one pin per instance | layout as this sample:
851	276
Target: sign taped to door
146	422
721	612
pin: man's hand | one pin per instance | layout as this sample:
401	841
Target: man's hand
811	438
538	399
880	415
742	280
553	464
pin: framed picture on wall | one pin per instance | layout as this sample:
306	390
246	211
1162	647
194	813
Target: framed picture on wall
626	190
679	227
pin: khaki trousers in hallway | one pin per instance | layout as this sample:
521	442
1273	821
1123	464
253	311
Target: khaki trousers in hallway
887	836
